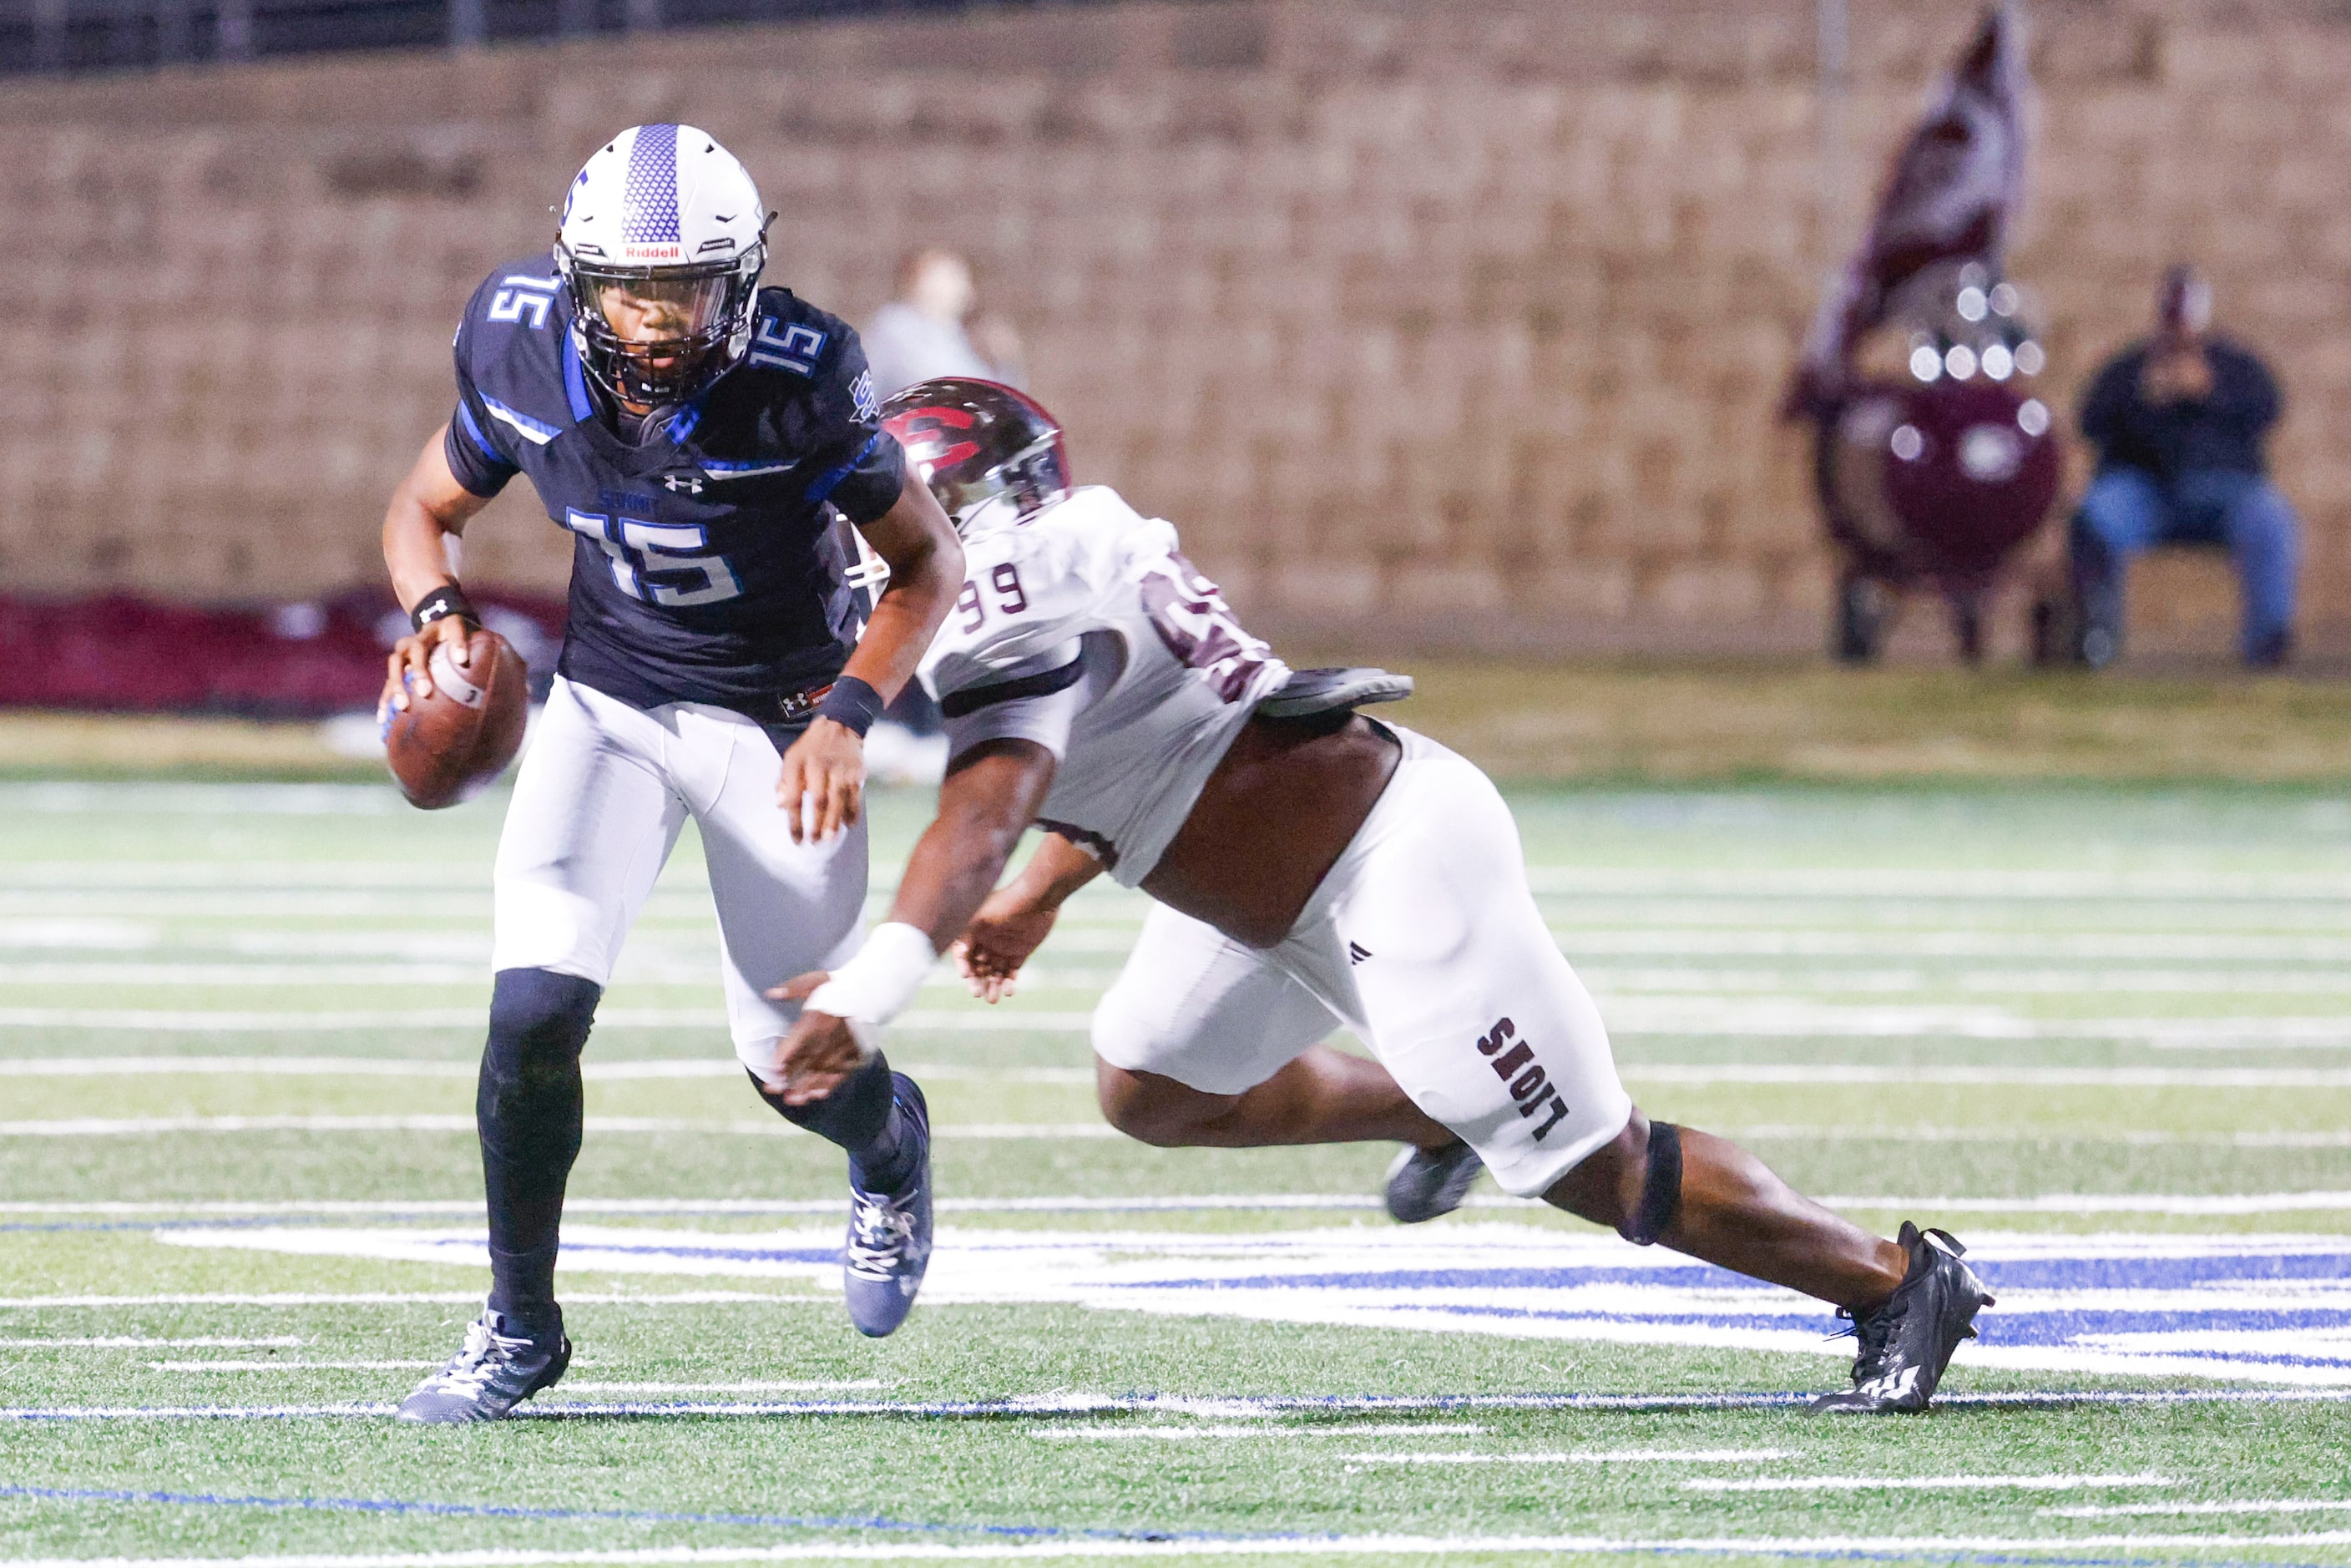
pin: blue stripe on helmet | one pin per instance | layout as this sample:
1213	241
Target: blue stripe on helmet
649	208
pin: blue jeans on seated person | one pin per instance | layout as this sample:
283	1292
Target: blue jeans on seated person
2129	511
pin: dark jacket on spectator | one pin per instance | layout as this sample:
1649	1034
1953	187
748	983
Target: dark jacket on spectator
2224	431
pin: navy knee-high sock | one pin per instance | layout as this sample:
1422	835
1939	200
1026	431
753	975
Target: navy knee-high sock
529	1111
862	1116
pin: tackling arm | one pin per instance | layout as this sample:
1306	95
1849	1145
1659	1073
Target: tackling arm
429	511
1018	916
990	796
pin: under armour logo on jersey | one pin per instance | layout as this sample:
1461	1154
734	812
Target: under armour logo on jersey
682	484
1529	1085
1357	952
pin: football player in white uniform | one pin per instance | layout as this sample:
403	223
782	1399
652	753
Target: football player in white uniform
697	435
1311	868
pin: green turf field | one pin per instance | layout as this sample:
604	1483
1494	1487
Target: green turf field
2103	1033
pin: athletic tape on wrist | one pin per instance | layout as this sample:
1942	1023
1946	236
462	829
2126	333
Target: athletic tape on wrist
851	701
875	985
440	605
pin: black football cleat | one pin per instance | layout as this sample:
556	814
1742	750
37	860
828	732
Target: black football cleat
889	1232
1907	1342
1425	1183
498	1367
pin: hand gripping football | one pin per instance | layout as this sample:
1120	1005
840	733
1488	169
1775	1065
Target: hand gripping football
445	747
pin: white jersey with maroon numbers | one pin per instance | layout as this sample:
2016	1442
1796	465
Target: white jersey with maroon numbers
1083	628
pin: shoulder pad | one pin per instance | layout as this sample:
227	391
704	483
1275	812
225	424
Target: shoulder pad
1311	692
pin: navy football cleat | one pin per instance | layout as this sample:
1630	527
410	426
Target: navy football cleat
1907	1342
497	1368
889	1232
1425	1183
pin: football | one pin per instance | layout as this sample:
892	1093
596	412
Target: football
444	746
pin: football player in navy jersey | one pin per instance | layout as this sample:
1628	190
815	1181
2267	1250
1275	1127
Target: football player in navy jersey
697	434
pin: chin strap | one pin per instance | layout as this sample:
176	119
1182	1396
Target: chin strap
1661	1190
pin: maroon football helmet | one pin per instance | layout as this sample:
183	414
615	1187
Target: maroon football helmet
976	443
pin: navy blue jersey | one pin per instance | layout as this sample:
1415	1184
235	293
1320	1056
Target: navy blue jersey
705	567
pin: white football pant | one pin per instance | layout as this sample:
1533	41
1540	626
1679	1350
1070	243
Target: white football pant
598	805
1425	941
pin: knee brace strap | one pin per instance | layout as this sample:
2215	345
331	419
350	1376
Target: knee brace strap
1661	1188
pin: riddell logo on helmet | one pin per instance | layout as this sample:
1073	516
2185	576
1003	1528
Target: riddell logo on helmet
652	253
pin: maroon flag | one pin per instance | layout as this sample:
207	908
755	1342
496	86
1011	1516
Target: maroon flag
1953	188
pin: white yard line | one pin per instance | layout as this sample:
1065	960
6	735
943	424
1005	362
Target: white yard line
692	1067
135	1342
1923	1483
1954	884
2115	1203
1790	1019
202	1021
771	1385
1209	1202
2273	1505
130	798
292	1366
2182	1204
1750	932
238	1066
1282	1430
1614	984
388	1021
1070	1403
1629	1016
1691	1073
1795	1072
378	1298
147	1126
2014	1133
1799	1546
1587	1456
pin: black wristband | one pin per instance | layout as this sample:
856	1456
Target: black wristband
443	603
851	701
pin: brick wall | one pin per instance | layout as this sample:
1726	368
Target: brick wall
1441	320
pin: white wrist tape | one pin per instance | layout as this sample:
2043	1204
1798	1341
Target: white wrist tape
875	985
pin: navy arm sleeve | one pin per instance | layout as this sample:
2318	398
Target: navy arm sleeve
471	447
864	469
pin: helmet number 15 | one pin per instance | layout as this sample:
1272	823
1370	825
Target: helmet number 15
659	563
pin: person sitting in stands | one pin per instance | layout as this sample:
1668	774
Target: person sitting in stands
2180	422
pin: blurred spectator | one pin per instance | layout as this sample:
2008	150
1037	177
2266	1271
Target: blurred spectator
920	334
2180	422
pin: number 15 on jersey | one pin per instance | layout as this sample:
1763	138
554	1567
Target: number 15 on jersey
659	563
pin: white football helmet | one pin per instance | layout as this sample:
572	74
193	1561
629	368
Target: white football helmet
661	245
